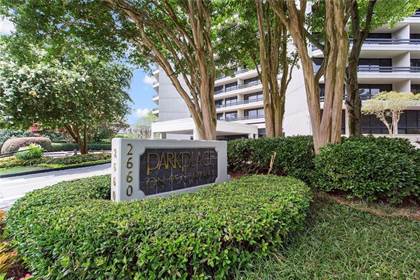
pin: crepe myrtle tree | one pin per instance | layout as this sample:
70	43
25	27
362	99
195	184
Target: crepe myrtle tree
364	17
173	34
326	125
78	97
248	34
388	106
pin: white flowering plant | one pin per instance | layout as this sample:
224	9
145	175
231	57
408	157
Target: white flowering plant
77	94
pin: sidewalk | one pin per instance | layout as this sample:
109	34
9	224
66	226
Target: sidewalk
15	187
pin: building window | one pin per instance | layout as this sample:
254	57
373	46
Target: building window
218	89
254	80
379	36
219	103
322	91
415	63
317	61
231	86
415	36
409	122
229	116
254	113
231	101
370	124
375	64
253	97
219	116
375	61
261	132
368	91
415	88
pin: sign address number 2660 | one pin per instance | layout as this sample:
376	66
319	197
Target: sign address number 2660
129	165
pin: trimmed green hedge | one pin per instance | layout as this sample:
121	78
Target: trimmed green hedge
56	147
72	230
370	168
70	160
293	156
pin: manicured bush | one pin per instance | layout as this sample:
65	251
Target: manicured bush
50	161
12	145
71	147
8	133
77	159
72	230
293	156
29	152
99	146
57	147
370	168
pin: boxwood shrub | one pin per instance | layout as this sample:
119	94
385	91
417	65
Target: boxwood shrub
73	231
370	168
56	147
294	156
70	160
32	151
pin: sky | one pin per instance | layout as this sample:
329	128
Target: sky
141	90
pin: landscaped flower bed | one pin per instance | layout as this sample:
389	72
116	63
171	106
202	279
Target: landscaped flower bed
73	230
50	162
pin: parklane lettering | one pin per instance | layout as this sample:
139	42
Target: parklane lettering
164	170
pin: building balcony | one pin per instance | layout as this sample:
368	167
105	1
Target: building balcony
238	102
155	98
375	73
155	111
388	69
237	118
385	45
232	88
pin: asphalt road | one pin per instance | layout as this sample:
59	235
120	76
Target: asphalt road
15	187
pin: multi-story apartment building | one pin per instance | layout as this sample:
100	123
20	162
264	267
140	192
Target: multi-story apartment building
390	60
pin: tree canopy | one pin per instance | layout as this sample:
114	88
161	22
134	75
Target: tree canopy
388	106
176	35
78	95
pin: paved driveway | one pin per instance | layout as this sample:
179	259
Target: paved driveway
15	187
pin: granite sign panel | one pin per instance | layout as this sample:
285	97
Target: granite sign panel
142	168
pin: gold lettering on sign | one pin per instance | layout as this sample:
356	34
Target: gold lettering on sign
149	167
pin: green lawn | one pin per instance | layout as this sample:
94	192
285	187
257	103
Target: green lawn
12	165
340	242
20	169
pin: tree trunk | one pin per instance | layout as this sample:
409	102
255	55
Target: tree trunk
182	48
353	102
395	120
325	129
75	134
273	53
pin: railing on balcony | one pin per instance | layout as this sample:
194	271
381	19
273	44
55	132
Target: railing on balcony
394	69
237	87
239	102
386	41
237	118
417	13
363	96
